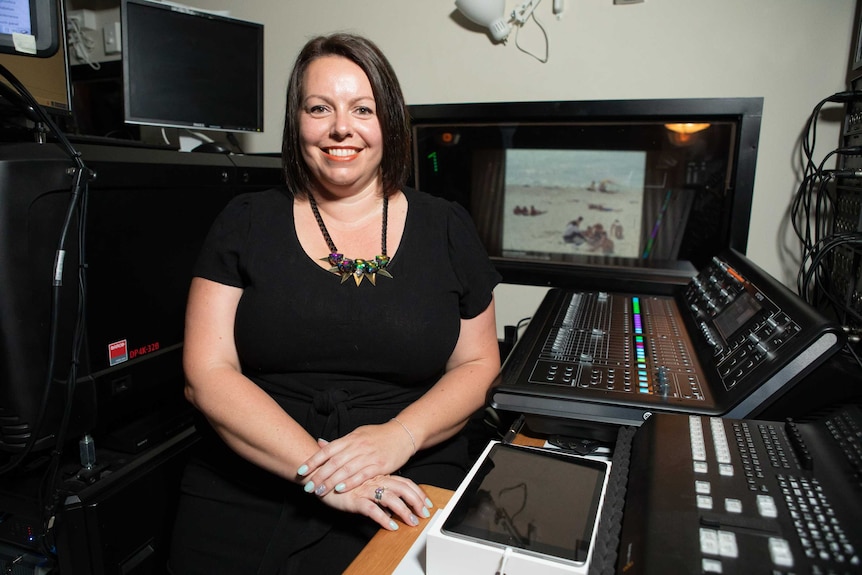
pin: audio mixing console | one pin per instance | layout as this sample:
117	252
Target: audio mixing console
730	342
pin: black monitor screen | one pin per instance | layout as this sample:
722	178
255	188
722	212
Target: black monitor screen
542	502
187	68
648	182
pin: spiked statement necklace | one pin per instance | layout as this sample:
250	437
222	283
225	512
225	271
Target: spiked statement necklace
358	268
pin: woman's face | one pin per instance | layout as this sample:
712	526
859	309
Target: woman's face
338	126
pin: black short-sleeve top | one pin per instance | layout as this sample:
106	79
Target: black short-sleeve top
337	355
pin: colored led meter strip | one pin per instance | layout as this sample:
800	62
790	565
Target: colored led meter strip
640	348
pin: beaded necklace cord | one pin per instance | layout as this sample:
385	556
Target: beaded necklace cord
358	269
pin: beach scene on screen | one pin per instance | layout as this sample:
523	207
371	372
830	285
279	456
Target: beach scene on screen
585	202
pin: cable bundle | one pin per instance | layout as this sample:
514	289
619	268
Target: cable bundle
831	256
49	493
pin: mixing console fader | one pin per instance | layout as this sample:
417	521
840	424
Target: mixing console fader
719	495
730	342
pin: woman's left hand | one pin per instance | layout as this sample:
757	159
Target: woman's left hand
350	461
383	498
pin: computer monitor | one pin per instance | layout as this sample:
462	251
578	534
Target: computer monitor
628	184
190	68
29	27
33	50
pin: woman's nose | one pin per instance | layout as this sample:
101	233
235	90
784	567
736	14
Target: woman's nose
342	125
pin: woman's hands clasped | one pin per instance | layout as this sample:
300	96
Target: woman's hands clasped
350	461
352	473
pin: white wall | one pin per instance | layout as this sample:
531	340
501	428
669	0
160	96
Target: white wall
792	53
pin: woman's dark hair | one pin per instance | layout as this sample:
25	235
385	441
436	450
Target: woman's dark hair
391	110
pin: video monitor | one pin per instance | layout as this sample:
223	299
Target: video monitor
664	184
191	68
29	27
33	50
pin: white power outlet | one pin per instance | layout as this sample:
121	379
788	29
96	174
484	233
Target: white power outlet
85	19
111	36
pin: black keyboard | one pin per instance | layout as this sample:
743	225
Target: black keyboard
717	495
846	428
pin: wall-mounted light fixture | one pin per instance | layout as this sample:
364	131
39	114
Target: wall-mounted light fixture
491	14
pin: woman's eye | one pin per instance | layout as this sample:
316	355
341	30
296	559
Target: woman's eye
317	109
364	111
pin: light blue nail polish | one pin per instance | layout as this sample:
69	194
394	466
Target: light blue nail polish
428	502
425	512
340	487
414	520
303	469
393	526
309	487
320	490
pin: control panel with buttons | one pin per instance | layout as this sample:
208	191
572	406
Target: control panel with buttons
717	495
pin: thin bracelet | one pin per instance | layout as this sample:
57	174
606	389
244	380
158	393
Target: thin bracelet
412	439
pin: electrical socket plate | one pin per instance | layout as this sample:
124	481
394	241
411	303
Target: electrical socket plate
86	18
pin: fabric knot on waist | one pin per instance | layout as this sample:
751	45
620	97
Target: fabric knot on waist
328	400
328	415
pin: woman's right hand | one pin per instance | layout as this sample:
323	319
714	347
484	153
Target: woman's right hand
383	497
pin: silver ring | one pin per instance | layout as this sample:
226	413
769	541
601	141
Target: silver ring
378	494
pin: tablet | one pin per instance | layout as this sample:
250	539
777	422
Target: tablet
536	500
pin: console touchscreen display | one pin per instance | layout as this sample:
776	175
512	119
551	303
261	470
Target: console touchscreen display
538	501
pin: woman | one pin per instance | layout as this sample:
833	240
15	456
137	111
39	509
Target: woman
332	385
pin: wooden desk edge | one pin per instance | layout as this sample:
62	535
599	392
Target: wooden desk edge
387	548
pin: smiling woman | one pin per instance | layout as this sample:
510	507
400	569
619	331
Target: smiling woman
325	403
343	144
